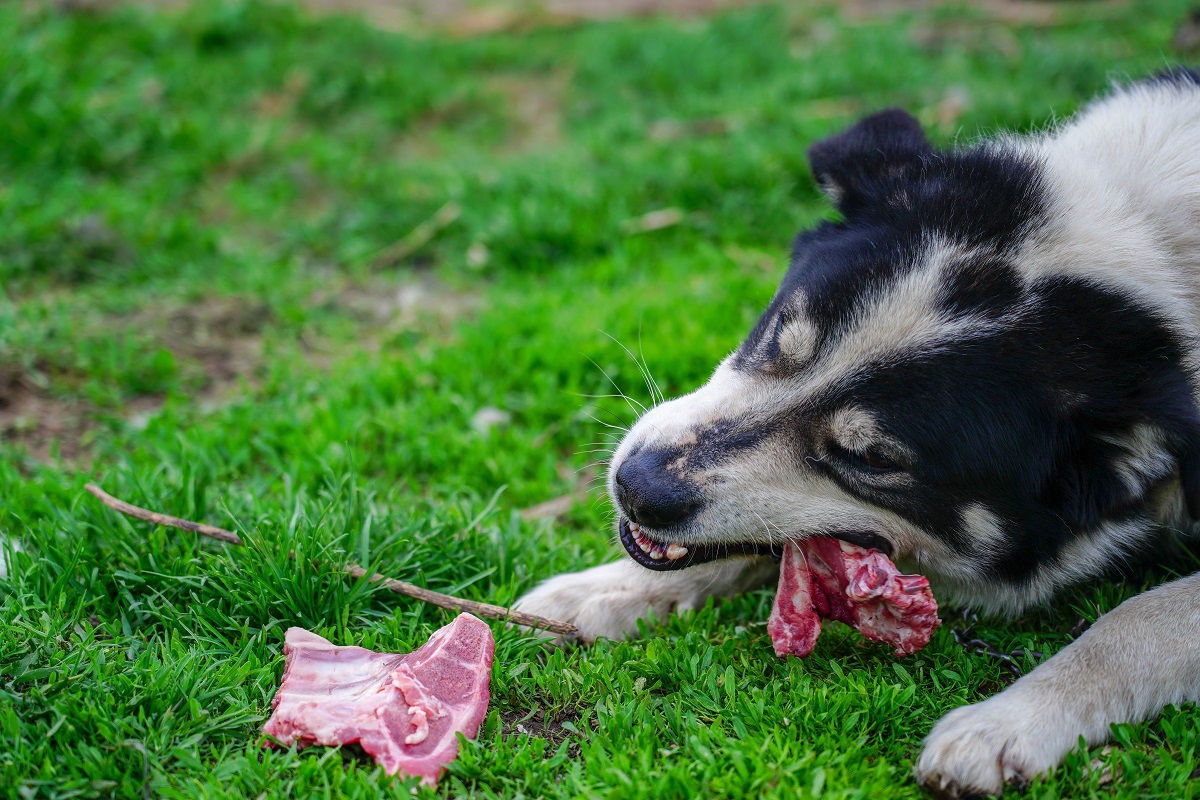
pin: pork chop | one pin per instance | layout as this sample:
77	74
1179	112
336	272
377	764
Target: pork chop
404	710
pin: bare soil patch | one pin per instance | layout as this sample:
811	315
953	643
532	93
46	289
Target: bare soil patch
535	107
218	345
222	336
467	18
216	341
464	18
384	306
32	418
531	103
475	18
539	724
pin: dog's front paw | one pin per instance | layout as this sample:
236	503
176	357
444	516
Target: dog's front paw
1008	739
605	601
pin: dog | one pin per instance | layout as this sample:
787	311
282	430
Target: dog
987	369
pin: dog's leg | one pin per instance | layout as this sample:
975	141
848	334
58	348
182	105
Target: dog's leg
609	600
1136	659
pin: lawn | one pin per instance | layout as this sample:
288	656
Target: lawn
381	294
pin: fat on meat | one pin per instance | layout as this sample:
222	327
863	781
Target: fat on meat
826	577
402	709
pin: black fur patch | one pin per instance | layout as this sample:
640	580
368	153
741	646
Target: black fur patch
722	440
1028	421
982	198
983	287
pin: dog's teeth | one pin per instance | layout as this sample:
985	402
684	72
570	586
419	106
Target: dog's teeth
653	549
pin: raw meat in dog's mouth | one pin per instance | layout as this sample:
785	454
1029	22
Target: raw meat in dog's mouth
849	578
404	710
824	577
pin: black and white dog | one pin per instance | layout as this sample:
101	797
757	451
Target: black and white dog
987	370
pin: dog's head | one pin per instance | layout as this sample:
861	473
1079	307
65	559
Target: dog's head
926	382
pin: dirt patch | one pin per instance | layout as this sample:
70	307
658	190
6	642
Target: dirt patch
1187	38
386	306
534	103
1019	12
529	105
478	18
464	18
217	343
467	18
222	336
218	346
539	724
30	417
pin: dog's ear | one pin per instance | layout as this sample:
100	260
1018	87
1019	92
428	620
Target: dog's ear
864	162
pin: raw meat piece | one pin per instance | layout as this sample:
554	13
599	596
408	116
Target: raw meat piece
402	709
825	577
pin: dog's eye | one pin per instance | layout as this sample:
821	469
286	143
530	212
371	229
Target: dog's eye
870	459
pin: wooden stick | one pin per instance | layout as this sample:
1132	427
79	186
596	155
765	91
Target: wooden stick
418	237
165	520
399	587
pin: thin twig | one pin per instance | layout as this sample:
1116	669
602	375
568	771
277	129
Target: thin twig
165	520
418	237
399	587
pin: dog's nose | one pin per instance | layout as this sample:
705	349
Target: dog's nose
650	495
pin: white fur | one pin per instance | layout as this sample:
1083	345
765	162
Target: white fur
1080	560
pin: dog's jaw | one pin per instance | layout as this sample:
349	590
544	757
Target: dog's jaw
664	556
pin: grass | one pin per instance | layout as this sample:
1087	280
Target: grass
203	306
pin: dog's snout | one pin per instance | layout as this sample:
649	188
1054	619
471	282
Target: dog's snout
650	495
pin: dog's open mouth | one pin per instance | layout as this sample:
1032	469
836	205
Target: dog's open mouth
671	555
847	576
662	556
